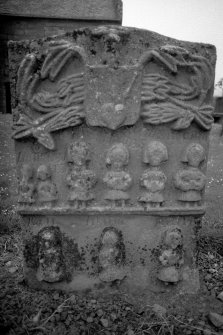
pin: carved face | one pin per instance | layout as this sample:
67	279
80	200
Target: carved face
78	153
174	238
48	237
117	156
155	153
111	249
195	154
43	172
109	238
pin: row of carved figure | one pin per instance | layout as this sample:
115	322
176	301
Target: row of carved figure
111	262
81	180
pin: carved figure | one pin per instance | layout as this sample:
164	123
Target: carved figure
51	266
153	179
117	179
191	181
111	255
80	179
171	257
26	185
46	189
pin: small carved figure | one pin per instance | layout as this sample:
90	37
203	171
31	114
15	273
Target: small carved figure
171	257
46	189
50	256
111	255
80	179
191	180
117	179
153	179
26	185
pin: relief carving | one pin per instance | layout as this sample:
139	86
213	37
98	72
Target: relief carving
60	109
171	257
117	179
51	266
46	189
107	93
26	185
113	98
153	179
111	255
165	99
80	179
191	181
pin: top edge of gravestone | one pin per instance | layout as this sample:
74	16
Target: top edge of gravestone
96	10
147	36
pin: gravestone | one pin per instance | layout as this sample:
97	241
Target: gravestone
111	132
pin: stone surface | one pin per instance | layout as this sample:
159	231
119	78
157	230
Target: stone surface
220	296
216	319
114	124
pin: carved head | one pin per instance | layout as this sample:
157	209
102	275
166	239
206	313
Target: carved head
43	172
173	238
117	156
51	266
155	153
27	171
78	153
111	247
49	237
194	155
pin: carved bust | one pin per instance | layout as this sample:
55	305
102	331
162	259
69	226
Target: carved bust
111	255
117	179
80	179
171	257
153	179
51	262
191	181
46	189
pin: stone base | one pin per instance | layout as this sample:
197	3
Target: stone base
106	254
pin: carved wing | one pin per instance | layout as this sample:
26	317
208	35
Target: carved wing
166	99
62	108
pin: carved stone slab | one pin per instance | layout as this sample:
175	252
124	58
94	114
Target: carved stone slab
111	130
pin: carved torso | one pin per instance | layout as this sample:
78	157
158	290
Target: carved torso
81	183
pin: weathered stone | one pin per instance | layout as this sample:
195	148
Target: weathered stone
121	118
111	255
50	257
104	322
169	274
220	296
216	319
